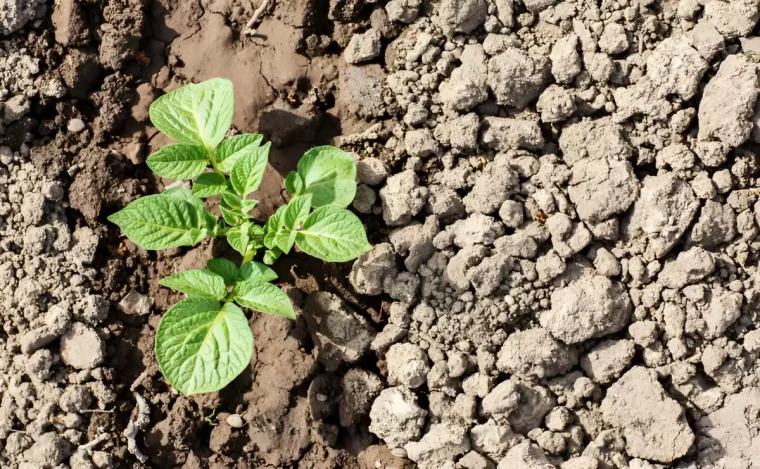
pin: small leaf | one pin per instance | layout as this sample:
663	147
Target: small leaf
248	172
297	211
200	114
232	200
293	183
226	269
182	192
202	346
333	234
160	222
179	161
285	239
329	174
255	271
234	148
271	255
233	217
238	239
264	298
273	226
248	204
209	185
198	282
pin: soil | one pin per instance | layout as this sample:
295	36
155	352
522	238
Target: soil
563	199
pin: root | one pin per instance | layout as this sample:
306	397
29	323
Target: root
249	30
140	422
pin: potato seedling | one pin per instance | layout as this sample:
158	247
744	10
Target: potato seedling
203	342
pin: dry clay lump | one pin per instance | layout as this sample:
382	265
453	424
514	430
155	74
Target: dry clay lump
592	306
653	424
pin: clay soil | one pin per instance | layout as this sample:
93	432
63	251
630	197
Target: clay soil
520	300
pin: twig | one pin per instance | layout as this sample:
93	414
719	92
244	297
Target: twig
249	29
88	447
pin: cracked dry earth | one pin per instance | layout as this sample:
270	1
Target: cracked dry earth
563	198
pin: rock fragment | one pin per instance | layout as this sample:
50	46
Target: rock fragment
339	334
82	347
396	417
442	444
526	455
653	424
407	365
725	111
601	189
607	360
403	198
689	267
460	16
535	353
592	306
360	388
522	404
363	47
516	79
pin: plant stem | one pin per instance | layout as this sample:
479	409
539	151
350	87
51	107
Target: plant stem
249	253
212	159
249	29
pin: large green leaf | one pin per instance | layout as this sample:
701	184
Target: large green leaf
179	161
231	150
199	114
293	183
329	175
333	234
249	170
227	269
198	282
263	297
201	346
160	222
209	185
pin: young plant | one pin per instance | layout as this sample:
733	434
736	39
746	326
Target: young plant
203	342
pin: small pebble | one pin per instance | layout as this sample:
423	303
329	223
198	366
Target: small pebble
235	421
75	125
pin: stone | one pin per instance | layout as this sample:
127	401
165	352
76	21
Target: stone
716	225
566	61
525	455
653	424
726	108
396	417
503	133
590	307
601	189
534	353
607	360
82	348
460	16
516	79
360	388
521	403
689	267
48	451
441	444
407	365
402	198
339	334
363	47
371	268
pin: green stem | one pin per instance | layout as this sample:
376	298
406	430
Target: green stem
249	253
212	159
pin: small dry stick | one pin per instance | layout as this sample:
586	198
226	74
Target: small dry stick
249	29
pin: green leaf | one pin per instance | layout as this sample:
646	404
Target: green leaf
333	234
198	282
256	271
293	183
264	298
234	148
297	211
232	200
160	222
179	161
329	175
249	170
209	185
285	239
199	114
202	346
248	204
183	193
226	269
273	226
232	216
238	238
271	255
